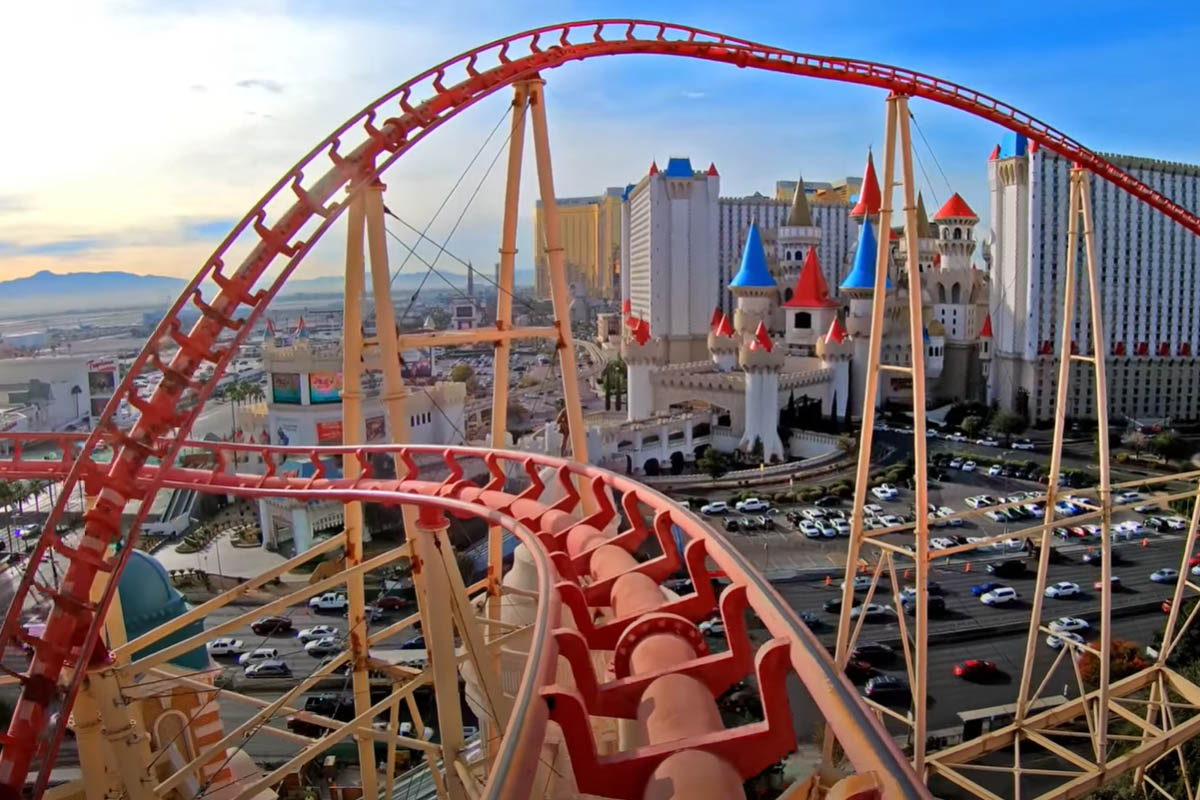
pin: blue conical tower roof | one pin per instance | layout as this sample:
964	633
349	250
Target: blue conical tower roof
862	271
753	273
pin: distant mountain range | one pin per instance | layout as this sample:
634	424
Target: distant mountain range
47	291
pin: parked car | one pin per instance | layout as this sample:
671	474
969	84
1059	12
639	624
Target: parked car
885	491
715	507
994	470
330	601
1024	444
828	500
752	504
810	530
316	632
888	689
861	583
1062	589
268	669
859	670
974	668
226	647
968	466
267	625
258	654
390	602
999	596
730	525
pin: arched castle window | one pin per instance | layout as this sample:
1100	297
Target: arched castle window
941	293
787	295
802	320
169	728
787	255
957	233
956	293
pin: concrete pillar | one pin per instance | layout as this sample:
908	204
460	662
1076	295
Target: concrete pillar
264	521
302	535
640	392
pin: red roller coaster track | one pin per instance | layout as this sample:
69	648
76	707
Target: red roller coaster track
354	155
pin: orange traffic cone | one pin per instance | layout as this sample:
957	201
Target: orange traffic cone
828	581
907	572
967	567
1145	542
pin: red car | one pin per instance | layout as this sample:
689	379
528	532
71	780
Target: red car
974	668
859	670
1194	560
391	603
1116	584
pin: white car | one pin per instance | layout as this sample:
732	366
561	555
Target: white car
813	514
994	470
712	627
715	507
1014	544
935	520
1062	589
1024	444
1057	640
1124	498
226	647
1068	624
1164	575
988	442
956	437
1147	508
842	527
968	466
828	531
810	530
976	502
330	601
999	596
869	610
890	520
320	648
258	654
885	492
956	463
1196	570
316	632
861	583
941	543
1093	530
873	508
752	504
1176	523
1034	510
1134	527
953	521
996	516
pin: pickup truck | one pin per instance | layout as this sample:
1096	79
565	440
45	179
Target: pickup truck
330	601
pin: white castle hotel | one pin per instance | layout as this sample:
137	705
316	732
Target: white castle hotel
700	376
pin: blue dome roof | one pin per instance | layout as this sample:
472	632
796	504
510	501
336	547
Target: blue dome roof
862	271
753	273
148	600
1013	144
679	168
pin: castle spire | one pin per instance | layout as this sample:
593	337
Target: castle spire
924	229
799	215
811	291
869	196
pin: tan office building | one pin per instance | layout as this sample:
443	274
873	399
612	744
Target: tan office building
591	234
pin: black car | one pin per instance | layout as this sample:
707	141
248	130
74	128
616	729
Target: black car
334	706
937	605
872	653
810	619
827	501
1095	558
834	604
888	689
731	525
1007	569
268	625
859	670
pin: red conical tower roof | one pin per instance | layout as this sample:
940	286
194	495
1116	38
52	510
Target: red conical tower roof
868	195
811	290
712	169
725	327
653	167
836	334
995	153
986	331
955	208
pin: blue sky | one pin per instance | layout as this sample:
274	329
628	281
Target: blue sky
160	122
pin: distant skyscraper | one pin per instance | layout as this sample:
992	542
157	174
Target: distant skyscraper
1150	271
591	239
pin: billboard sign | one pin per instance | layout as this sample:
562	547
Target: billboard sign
329	433
285	387
324	387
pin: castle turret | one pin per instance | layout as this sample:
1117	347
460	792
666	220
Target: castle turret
859	286
836	350
808	309
985	346
869	196
797	237
956	239
722	342
759	355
